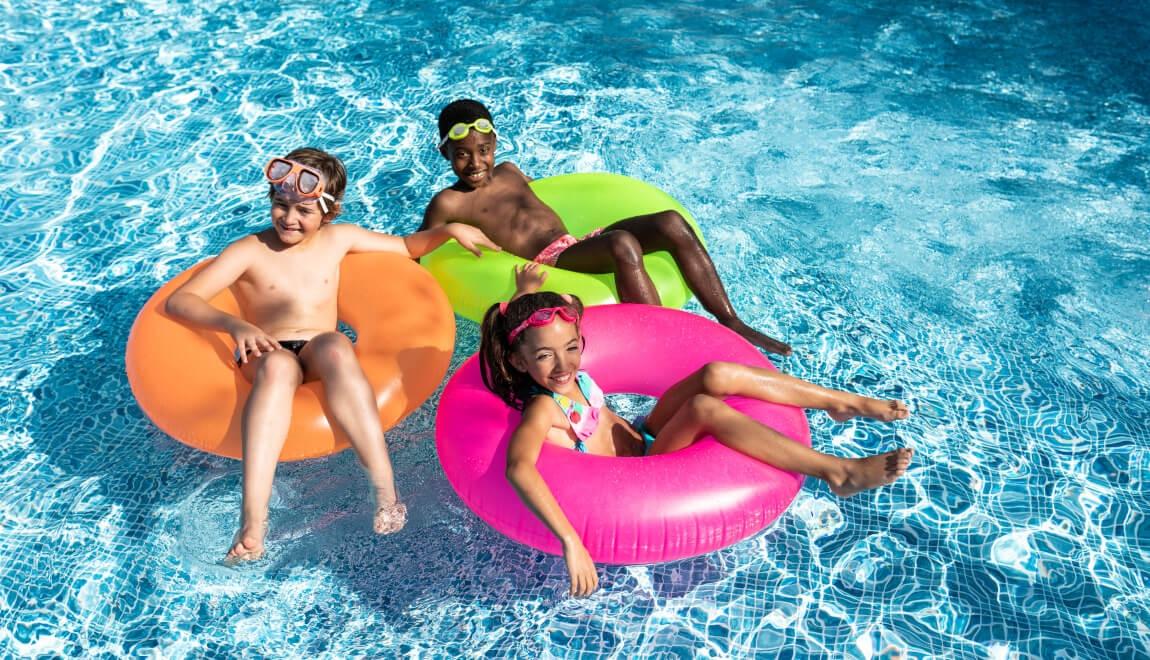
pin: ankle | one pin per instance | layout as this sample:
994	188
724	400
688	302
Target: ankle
837	473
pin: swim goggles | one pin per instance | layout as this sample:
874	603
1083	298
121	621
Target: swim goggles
462	130
541	317
297	181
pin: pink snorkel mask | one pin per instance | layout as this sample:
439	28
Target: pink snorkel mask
540	317
296	182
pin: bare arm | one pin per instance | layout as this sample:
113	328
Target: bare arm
528	278
522	454
189	303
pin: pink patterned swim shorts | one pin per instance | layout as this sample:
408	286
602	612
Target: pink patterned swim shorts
550	254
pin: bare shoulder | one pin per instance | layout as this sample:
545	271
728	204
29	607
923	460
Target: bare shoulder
543	410
443	207
243	249
511	170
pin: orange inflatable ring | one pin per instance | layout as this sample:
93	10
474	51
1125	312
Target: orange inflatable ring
186	381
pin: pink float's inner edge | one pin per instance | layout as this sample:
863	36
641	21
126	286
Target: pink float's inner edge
626	510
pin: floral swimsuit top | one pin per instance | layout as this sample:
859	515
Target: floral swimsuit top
584	419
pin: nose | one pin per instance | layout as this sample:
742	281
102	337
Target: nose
564	361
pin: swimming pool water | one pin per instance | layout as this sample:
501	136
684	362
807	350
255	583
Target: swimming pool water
943	202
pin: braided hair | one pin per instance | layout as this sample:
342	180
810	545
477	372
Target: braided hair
499	375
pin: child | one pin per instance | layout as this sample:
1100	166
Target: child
530	354
497	200
285	279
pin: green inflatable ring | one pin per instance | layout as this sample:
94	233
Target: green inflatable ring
585	202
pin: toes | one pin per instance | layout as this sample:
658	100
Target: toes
391	518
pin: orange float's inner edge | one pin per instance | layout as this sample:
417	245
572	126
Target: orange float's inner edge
186	382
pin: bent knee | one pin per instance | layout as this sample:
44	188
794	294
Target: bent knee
331	348
625	248
279	366
718	378
704	407
672	224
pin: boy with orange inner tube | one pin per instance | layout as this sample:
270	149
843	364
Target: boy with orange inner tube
286	279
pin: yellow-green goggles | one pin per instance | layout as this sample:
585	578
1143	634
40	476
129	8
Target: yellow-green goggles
462	130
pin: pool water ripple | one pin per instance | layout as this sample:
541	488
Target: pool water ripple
943	203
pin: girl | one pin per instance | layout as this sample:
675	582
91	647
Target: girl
529	354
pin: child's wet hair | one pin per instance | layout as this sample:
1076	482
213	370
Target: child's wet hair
331	167
499	375
462	111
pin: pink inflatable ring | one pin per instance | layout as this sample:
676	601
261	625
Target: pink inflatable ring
626	510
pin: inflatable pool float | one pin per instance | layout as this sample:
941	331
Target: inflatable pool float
186	381
585	202
626	510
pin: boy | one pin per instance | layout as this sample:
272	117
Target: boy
496	199
285	279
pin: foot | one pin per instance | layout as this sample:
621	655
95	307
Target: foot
861	474
248	545
861	406
757	338
390	518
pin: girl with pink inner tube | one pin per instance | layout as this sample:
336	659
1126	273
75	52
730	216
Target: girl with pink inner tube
530	355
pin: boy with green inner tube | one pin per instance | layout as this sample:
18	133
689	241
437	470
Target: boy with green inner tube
498	200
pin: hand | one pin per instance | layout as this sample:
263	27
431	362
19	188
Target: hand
529	278
584	577
251	340
471	238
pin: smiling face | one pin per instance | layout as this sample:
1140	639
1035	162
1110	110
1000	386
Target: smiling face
296	222
551	354
472	158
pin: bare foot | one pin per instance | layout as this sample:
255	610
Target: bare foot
390	518
861	406
248	545
873	471
757	338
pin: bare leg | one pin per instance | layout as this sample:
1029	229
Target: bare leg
721	379
668	231
331	358
703	414
266	418
614	252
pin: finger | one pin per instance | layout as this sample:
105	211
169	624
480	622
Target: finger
542	276
574	591
244	350
492	246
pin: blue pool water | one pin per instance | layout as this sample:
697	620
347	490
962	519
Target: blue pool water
945	202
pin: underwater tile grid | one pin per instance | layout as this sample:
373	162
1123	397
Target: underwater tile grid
940	202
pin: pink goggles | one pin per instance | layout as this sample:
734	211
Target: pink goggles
541	317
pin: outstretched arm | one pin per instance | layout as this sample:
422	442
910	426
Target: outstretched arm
522	454
418	244
189	303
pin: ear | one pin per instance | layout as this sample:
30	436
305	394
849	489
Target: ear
568	298
336	209
517	361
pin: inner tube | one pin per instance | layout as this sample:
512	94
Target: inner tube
585	202
626	510
186	381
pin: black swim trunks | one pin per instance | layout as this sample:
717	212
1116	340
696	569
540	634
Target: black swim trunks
293	345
